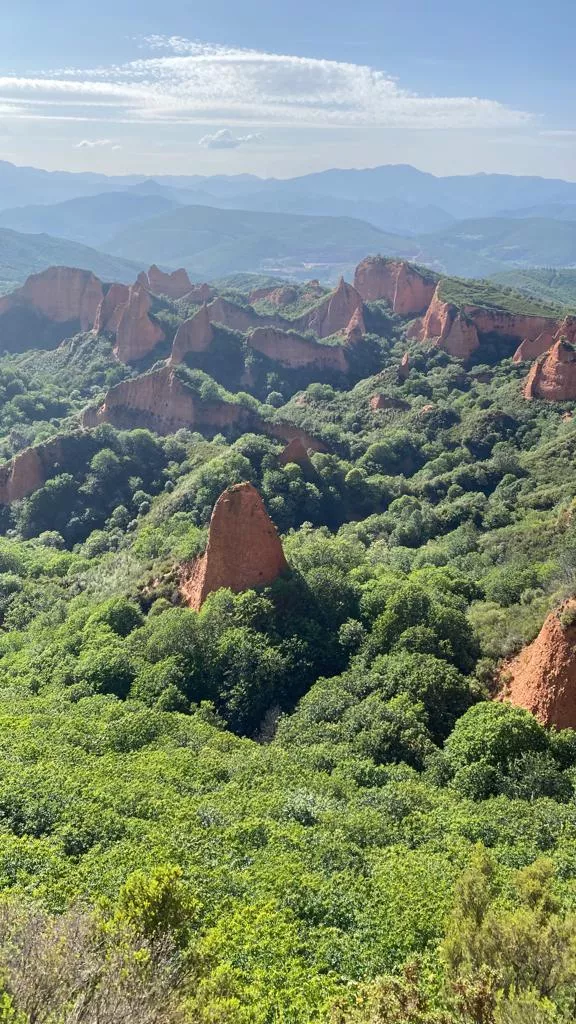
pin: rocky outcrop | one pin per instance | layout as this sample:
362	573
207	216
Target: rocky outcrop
405	367
110	309
333	314
194	335
63	295
200	293
542	678
174	285
381	401
236	318
553	376
446	327
243	551
159	401
532	349
287	432
136	334
29	470
407	289
356	328
283	295
295	352
295	452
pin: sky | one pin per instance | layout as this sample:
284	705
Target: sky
281	89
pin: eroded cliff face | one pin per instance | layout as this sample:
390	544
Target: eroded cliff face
553	376
403	286
297	453
110	309
333	314
283	295
542	678
136	333
61	294
174	285
194	335
236	318
159	401
295	352
532	349
200	293
356	328
29	470
447	327
243	551
382	401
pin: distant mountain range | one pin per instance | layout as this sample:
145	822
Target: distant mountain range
21	255
317	225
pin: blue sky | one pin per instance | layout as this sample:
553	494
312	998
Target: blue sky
173	86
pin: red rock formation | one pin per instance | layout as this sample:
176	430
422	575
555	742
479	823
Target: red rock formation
174	285
29	470
532	349
381	401
136	334
200	293
407	289
448	328
110	309
283	431
194	335
333	315
160	401
295	452
243	551
553	376
295	352
404	368
61	294
542	678
283	295
237	318
356	328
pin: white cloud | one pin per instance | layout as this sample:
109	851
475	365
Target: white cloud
96	143
201	83
224	139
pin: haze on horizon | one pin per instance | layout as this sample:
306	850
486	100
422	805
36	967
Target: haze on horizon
143	88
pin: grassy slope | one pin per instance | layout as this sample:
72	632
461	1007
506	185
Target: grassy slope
548	284
494	296
21	255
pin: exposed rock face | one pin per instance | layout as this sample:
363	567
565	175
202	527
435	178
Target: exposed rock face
110	309
200	293
406	288
136	334
61	294
334	314
237	318
194	335
405	367
29	470
160	401
356	328
284	295
542	678
387	402
532	349
174	285
284	431
553	376
295	352
243	551
295	452
448	328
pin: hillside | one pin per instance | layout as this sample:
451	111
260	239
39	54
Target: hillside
24	254
211	242
89	220
551	285
280	588
479	247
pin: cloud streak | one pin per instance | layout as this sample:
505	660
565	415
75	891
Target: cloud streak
183	81
225	139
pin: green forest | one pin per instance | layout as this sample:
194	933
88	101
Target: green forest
301	804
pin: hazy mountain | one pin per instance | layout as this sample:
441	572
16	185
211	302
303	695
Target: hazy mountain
212	242
89	219
477	248
21	255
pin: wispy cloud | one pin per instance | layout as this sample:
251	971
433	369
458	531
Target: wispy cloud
184	81
225	139
96	143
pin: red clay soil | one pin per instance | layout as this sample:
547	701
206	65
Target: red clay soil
243	550
542	678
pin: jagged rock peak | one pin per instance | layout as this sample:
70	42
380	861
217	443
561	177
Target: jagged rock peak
61	294
553	376
194	335
243	551
407	289
175	284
